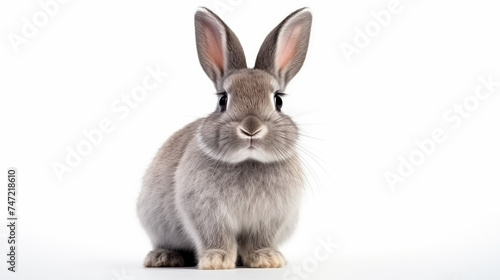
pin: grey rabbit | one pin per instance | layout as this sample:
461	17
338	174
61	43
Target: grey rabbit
230	185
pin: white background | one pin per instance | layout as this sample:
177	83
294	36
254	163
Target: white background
361	116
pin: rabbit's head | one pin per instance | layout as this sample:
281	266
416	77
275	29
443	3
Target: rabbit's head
248	123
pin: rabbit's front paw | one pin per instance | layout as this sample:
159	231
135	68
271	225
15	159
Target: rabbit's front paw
163	257
217	259
264	258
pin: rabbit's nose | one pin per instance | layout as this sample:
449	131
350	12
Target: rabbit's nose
251	127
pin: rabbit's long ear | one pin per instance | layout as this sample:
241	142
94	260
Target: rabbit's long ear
284	49
219	50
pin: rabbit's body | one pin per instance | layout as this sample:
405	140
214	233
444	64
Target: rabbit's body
156	204
230	184
249	197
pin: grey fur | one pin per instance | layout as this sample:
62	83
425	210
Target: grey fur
228	184
233	52
267	53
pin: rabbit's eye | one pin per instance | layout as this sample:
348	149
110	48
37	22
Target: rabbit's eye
223	102
278	101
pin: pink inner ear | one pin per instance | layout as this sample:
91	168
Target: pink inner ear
214	47
287	46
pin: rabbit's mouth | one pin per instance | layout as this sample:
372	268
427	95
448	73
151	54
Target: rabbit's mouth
251	150
252	142
250	146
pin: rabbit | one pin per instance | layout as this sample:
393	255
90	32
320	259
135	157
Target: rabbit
228	186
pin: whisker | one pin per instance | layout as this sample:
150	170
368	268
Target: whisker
305	152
